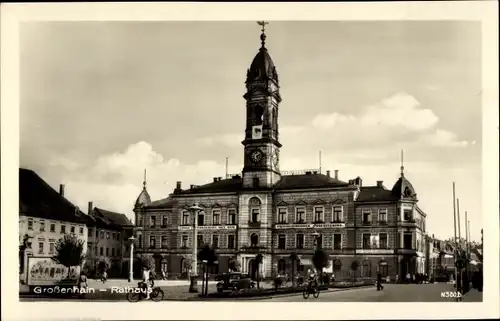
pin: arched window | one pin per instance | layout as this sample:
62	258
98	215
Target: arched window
201	218
164	265
383	268
254	239
254	206
337	265
281	266
366	269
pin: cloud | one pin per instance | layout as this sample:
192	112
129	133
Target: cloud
327	121
444	138
401	110
113	181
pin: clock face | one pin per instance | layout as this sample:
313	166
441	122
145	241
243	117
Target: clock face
276	158
256	156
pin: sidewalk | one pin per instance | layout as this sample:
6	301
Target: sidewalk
97	284
473	296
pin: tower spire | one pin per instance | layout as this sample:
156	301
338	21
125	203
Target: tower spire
402	162
263	35
144	182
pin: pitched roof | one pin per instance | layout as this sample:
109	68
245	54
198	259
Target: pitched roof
163	203
112	220
224	185
308	181
287	182
39	199
375	194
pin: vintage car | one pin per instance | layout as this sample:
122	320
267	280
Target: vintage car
234	281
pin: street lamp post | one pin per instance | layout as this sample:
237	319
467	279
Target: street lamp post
193	287
131	265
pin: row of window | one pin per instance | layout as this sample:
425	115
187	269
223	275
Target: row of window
102	234
231	241
282	216
216	217
366	267
368	217
41	247
300	241
102	250
53	227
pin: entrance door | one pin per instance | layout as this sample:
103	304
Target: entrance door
252	271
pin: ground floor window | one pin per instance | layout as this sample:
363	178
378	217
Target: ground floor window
281	266
366	269
383	269
337	265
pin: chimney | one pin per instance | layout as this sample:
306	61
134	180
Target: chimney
61	190
328	173
336	174
308	173
219	179
215	179
380	183
91	207
179	184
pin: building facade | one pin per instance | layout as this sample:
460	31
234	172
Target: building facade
107	238
45	216
267	211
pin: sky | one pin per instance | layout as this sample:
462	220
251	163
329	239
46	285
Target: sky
102	101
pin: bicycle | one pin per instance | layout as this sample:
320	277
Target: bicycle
312	288
139	293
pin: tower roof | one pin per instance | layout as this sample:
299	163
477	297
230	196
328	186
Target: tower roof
262	67
144	199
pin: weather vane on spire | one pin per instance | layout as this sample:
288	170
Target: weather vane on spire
263	35
263	25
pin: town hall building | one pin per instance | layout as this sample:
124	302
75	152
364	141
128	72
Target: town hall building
264	210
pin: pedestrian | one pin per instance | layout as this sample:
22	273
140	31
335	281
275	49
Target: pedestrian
408	276
146	280
104	276
397	278
163	274
82	284
379	281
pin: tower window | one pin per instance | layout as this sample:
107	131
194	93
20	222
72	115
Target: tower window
255	182
258	115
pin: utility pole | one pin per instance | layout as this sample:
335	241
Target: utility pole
320	162
227	162
455	233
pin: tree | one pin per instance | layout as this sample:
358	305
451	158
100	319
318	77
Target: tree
258	261
320	261
208	256
147	260
69	251
294	258
104	264
234	264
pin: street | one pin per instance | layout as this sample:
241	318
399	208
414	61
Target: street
391	293
179	290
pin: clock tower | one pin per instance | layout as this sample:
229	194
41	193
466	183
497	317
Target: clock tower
261	159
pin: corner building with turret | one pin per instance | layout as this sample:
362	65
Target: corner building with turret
264	210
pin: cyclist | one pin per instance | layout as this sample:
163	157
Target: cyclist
312	278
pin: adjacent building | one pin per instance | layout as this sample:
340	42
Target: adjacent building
264	210
107	238
44	217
